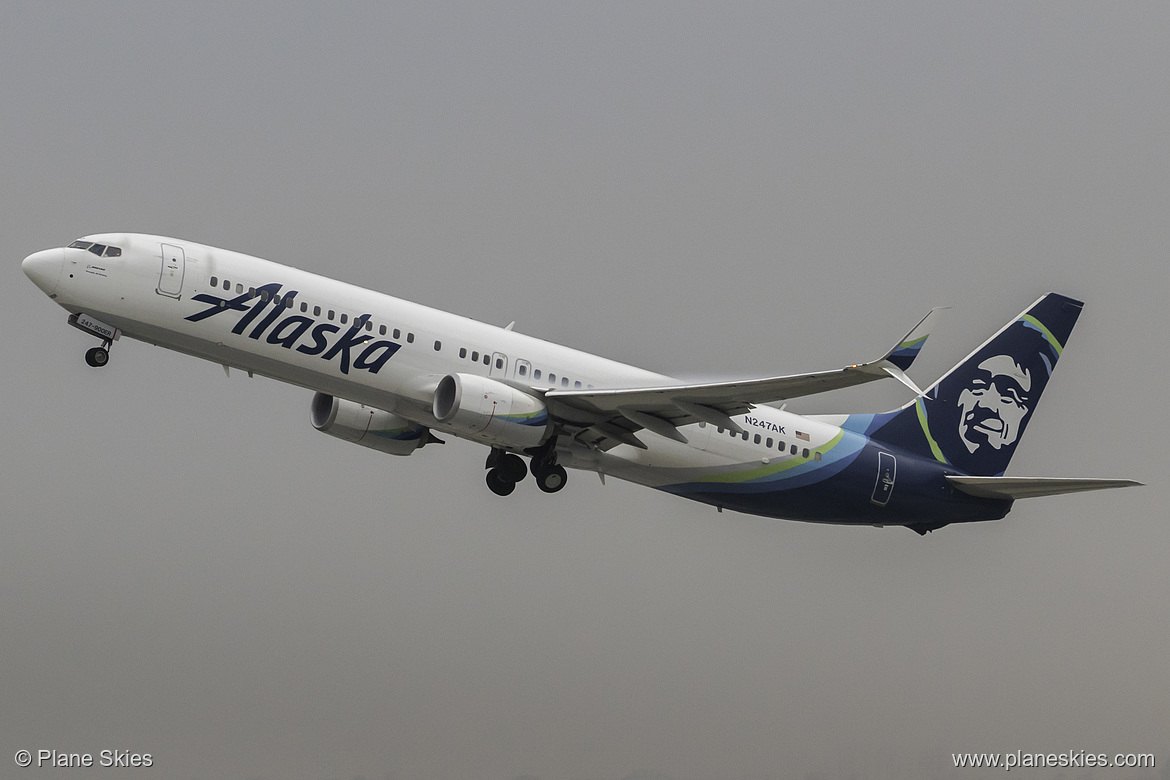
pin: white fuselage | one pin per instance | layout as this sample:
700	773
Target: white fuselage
284	343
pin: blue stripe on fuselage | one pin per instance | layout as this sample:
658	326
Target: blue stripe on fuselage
841	493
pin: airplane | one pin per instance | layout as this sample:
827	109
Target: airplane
389	375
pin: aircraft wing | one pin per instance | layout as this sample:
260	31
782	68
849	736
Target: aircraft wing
1032	487
615	414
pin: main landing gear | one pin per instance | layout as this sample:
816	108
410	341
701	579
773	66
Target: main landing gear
505	469
550	477
98	356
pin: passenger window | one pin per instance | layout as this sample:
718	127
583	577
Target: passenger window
793	449
536	374
720	429
523	370
344	318
577	385
499	362
475	356
369	326
745	435
264	296
804	454
316	311
756	440
487	359
397	333
816	455
288	302
214	282
276	302
768	443
239	289
438	346
463	352
381	330
409	338
564	381
227	286
329	315
552	378
304	307
251	292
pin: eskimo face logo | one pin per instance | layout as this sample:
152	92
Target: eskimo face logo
993	406
297	331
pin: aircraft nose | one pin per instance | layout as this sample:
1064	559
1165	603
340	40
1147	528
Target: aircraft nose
44	268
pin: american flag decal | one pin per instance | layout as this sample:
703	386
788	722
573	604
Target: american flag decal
802	436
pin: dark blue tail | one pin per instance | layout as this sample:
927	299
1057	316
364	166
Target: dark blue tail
974	416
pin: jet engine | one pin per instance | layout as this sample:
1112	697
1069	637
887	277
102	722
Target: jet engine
491	412
366	425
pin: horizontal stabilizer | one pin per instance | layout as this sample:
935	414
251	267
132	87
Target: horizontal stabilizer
1031	487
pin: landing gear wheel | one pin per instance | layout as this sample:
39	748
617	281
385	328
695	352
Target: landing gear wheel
499	485
512	468
97	357
551	479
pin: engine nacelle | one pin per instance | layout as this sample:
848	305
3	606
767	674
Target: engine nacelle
366	425
490	411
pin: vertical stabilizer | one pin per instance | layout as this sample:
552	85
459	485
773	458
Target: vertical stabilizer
974	416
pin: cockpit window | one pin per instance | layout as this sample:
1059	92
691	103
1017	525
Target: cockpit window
101	250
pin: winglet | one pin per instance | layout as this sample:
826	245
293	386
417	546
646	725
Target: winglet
903	354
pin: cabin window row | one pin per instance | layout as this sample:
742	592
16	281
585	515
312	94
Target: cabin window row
551	379
289	302
522	368
768	441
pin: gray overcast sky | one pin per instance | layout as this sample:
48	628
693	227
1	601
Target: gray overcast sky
189	570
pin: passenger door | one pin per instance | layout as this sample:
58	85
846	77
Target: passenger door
174	266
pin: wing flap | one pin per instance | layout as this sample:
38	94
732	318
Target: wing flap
1032	487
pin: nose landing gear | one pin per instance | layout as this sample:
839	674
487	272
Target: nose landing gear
98	356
